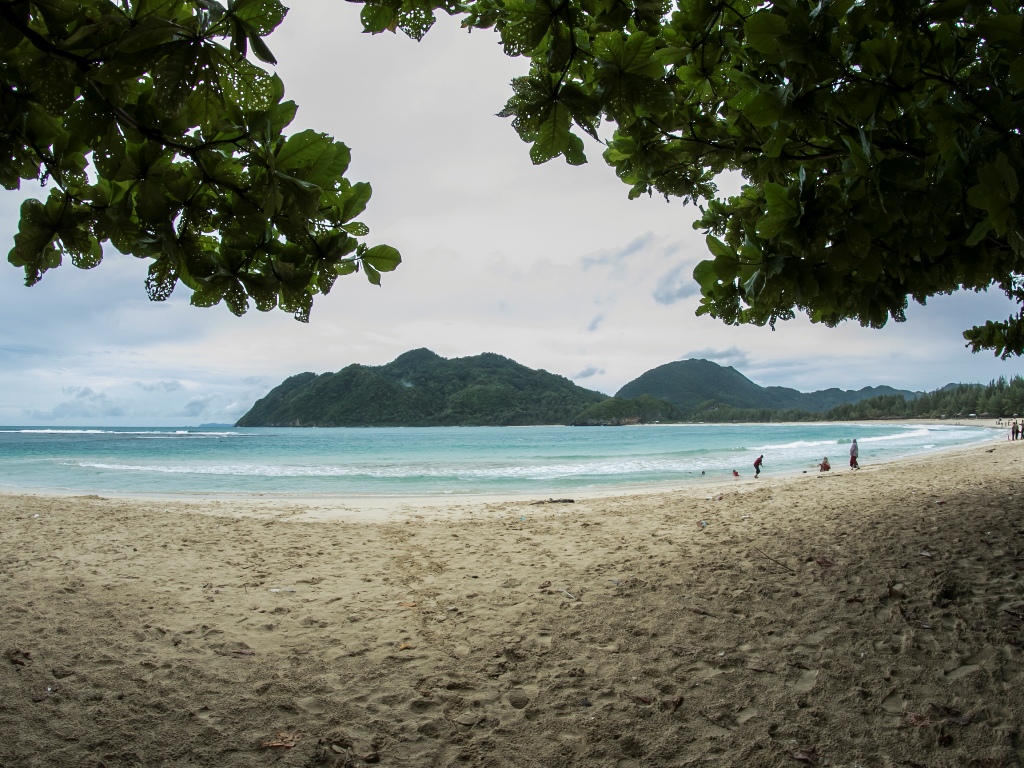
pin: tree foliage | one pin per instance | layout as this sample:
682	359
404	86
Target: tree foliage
1000	398
161	137
879	140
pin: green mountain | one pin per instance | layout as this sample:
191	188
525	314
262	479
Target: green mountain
420	389
616	411
689	384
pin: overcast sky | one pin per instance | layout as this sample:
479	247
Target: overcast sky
549	265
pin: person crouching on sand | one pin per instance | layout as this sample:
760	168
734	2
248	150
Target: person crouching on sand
757	465
854	453
824	466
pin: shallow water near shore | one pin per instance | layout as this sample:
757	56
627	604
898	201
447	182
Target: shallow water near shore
440	461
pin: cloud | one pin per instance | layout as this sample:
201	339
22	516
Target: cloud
197	406
616	256
85	403
159	386
595	323
675	285
587	372
731	356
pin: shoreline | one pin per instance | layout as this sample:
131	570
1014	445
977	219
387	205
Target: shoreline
366	504
384	508
851	618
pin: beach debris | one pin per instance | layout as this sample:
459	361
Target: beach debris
407	605
918	720
19	657
773	559
284	739
702	524
824	562
806	756
586	703
700	611
406	646
553	501
544	585
677	702
517	698
278	589
567	594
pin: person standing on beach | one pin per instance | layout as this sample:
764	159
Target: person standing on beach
757	465
854	454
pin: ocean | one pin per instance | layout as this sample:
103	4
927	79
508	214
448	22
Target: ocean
439	461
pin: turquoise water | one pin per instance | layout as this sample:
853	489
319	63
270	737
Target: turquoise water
439	460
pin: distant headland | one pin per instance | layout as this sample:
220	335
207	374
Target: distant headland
420	388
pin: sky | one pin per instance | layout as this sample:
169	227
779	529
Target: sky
549	265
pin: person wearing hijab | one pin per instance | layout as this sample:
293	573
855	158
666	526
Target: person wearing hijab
854	453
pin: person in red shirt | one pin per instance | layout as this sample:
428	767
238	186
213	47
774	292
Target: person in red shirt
757	465
824	466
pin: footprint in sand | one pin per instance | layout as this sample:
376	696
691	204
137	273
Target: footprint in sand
962	671
745	714
805	682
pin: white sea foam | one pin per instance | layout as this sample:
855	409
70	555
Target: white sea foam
797	444
525	472
150	433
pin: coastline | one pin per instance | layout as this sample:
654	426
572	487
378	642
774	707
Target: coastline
378	506
872	617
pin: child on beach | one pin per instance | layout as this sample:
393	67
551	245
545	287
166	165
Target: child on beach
824	466
757	465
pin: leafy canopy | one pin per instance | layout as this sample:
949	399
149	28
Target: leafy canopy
161	137
879	140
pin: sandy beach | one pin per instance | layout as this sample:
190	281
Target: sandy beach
869	618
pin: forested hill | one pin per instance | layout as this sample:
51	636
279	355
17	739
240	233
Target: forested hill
688	384
421	388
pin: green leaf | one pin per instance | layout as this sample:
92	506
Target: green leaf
763	29
553	136
382	258
372	274
378	18
262	15
782	211
356	228
764	109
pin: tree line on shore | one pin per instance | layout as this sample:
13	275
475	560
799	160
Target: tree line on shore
1000	398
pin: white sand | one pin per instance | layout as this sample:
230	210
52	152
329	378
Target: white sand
868	618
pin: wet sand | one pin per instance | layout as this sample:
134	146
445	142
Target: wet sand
869	618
